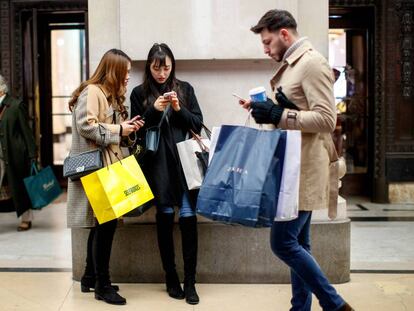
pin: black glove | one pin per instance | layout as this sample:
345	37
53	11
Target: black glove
266	112
284	101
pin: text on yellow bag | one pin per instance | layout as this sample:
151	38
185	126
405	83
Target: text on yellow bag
116	189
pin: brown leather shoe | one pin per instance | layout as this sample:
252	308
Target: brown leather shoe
24	226
346	307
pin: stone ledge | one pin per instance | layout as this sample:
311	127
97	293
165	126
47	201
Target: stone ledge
227	254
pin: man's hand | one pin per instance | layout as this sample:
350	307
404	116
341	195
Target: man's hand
266	112
284	101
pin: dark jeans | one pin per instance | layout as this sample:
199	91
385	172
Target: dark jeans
185	209
290	241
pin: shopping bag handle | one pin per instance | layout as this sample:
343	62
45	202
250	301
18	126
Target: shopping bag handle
206	130
116	155
249	117
197	138
33	168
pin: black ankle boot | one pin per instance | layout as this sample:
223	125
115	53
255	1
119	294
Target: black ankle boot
88	284
108	294
191	296
173	285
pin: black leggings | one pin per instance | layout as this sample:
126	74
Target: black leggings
99	251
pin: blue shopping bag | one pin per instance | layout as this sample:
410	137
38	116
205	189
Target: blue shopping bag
242	182
42	186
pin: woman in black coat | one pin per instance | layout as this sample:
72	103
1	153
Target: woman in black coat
163	169
18	150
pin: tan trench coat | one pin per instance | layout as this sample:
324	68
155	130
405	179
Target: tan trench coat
91	110
307	80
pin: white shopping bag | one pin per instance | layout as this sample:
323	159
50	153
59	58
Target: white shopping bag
193	170
215	132
288	203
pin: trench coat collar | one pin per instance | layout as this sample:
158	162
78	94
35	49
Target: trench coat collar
108	96
291	59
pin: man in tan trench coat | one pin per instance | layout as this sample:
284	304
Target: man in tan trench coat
307	81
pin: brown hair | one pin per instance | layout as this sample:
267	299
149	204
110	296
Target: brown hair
275	20
110	74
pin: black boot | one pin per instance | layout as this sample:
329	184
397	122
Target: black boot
102	246
88	279
88	284
108	294
165	223
189	238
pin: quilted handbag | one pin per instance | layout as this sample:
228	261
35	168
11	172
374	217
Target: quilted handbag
81	164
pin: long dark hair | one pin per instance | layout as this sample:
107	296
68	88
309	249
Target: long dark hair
159	53
110	74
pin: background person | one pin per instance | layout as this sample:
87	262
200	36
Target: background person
17	151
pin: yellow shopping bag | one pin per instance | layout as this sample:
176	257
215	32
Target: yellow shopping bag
116	189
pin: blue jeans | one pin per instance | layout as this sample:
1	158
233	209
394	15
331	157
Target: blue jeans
290	241
185	209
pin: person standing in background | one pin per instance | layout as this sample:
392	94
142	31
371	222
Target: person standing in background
17	152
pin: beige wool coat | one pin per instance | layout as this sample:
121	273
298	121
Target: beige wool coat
91	112
307	80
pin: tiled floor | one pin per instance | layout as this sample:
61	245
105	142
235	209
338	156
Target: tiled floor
56	291
376	246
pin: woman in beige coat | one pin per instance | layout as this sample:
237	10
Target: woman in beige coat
99	121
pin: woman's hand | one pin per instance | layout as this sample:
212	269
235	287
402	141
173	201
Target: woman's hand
175	103
132	125
161	103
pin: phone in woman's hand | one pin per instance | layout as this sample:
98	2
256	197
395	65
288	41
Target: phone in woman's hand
168	95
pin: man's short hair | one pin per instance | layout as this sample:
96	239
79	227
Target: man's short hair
275	20
3	85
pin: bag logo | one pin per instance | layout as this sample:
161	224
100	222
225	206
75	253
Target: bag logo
80	169
48	186
238	170
131	190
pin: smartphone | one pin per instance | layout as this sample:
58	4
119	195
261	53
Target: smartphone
136	118
239	97
168	95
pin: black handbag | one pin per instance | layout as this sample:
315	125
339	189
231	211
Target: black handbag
76	166
152	139
84	163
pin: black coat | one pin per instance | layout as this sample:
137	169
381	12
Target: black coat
163	170
19	147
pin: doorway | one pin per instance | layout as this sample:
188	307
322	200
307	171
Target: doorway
63	67
351	57
59	40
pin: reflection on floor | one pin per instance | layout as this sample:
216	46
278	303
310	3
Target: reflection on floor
382	262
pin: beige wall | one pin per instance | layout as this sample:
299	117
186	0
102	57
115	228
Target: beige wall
228	61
